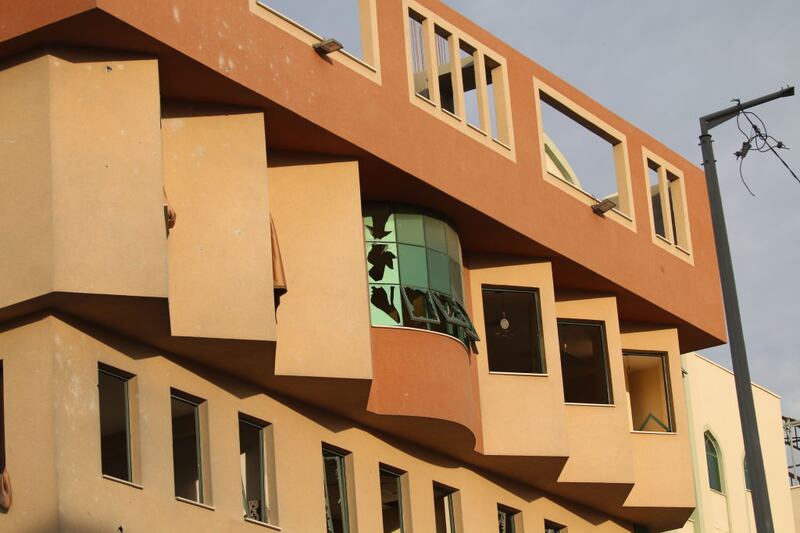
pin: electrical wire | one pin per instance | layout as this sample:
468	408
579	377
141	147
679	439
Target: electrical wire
758	138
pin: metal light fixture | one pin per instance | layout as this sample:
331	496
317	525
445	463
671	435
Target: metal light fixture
603	207
327	46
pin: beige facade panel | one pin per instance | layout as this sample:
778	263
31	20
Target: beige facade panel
316	206
662	460
795	492
50	371
82	175
220	258
588	425
26	216
521	414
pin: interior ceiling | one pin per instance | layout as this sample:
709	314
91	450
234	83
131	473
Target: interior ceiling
184	79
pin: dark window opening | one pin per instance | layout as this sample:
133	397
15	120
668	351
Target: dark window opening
444	60
584	362
115	423
444	508
467	56
513	330
507	519
391	500
251	456
553	527
335	472
186	446
647	380
746	475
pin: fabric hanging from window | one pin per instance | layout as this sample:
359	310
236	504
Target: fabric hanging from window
5	490
278	275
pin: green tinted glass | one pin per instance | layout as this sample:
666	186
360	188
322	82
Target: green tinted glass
413	265
439	272
410	228
435	234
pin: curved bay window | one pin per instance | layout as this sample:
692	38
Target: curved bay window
414	271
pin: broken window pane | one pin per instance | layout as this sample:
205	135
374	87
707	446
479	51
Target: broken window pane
385	305
513	330
582	153
115	436
336	510
186	453
379	223
444	511
419	54
419	306
253	469
584	364
391	500
647	382
381	260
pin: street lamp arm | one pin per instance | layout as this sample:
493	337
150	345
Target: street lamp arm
715	119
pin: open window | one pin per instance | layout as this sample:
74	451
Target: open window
668	204
257	462
584	362
118	438
508	520
348	21
447	509
513	321
190	460
647	380
336	464
713	462
464	80
584	153
393	499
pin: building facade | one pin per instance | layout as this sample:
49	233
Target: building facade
724	502
250	279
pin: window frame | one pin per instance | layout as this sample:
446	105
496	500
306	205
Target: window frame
625	212
269	493
513	516
404	500
709	438
674	205
200	407
606	358
433	25
664	356
131	422
540	344
452	507
369	66
344	466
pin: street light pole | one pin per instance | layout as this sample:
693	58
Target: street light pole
744	391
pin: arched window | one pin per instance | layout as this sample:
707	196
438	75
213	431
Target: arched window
712	462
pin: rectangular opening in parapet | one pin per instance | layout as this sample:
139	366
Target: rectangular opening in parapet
419	56
468	56
648	389
583	154
337	19
444	62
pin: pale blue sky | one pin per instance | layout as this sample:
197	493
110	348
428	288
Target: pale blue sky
661	65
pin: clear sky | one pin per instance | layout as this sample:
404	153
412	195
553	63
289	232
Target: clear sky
661	65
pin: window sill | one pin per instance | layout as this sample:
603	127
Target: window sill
452	115
123	482
578	404
523	374
501	143
478	129
425	99
262	524
637	432
715	491
196	504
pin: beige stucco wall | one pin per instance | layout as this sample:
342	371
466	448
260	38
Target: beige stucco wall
316	206
50	370
713	407
81	178
795	493
220	258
